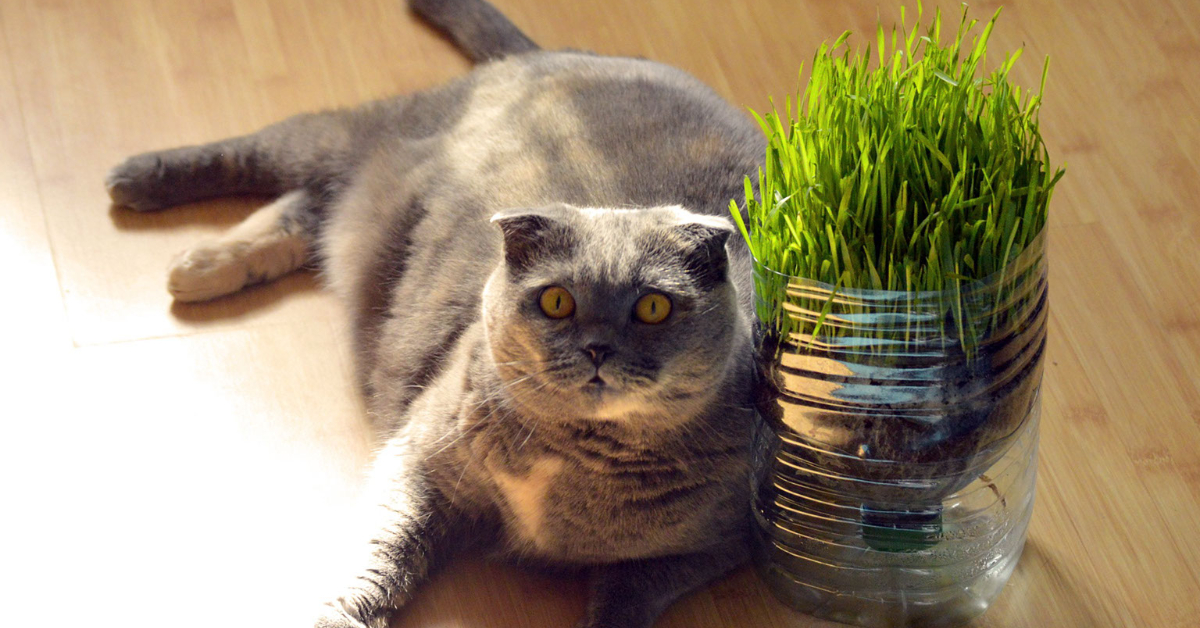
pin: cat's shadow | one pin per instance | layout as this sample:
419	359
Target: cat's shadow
221	214
474	593
248	300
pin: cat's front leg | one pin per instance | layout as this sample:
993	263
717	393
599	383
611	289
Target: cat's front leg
633	594
413	534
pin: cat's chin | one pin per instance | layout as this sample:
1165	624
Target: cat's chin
608	403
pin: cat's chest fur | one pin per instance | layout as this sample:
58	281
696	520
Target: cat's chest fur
576	495
525	495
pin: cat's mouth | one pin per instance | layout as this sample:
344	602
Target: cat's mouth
606	399
600	385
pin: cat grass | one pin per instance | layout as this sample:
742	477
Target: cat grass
916	172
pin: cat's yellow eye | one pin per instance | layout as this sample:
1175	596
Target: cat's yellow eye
556	302
652	308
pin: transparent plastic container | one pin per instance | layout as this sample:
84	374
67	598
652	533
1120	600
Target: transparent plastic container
897	447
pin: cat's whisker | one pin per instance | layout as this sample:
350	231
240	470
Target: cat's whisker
487	432
527	437
491	397
512	362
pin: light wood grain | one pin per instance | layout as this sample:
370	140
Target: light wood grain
194	465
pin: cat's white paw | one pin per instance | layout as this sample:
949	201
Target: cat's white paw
208	271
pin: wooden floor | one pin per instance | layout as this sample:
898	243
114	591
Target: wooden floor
171	465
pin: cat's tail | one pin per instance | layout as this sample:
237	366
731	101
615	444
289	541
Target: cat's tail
482	32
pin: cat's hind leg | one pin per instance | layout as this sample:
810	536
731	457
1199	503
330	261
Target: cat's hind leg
271	242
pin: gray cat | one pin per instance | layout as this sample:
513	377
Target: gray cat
552	320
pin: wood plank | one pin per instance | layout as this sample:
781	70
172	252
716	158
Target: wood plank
35	320
1139	494
99	81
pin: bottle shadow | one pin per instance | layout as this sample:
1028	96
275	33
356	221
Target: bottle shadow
1041	588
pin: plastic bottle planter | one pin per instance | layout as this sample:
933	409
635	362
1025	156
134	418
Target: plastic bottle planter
897	449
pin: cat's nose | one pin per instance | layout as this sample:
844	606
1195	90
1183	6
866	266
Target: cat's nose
598	353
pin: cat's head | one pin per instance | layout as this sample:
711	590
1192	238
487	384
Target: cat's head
620	315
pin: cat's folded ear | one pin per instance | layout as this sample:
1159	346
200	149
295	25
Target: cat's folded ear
704	238
532	235
704	231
